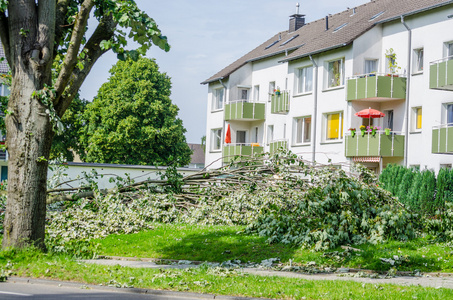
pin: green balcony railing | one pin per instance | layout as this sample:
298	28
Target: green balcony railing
231	151
376	87
275	145
244	111
380	144
441	74
280	103
442	140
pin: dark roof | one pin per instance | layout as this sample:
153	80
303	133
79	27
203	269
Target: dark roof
344	28
197	155
4	68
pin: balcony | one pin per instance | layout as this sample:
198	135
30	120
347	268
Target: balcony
242	110
391	145
441	74
277	144
280	103
376	87
231	151
442	140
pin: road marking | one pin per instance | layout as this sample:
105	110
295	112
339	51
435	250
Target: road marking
17	294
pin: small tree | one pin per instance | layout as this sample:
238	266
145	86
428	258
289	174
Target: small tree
132	119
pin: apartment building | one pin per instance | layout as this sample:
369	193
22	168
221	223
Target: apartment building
302	89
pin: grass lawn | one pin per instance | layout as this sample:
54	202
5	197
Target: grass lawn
221	243
207	280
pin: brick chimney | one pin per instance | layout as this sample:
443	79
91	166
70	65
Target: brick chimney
296	21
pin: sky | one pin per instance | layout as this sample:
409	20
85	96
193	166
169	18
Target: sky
206	36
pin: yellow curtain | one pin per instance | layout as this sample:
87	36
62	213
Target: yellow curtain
333	126
419	118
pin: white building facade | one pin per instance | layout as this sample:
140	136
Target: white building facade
302	88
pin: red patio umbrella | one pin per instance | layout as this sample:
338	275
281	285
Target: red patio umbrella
370	113
228	135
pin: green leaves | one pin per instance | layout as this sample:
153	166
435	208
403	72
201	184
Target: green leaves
132	120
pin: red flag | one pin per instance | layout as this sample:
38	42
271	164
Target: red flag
228	135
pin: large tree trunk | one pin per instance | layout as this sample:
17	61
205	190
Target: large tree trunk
29	131
29	137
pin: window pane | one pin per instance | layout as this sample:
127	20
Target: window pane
333	126
307	130
450	49
300	83
419	118
308	79
240	137
270	133
334	76
256	93
450	114
370	66
299	127
420	60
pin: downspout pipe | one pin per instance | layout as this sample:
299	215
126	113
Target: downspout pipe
224	122
315	112
408	85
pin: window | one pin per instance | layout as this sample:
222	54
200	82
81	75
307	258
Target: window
304	80
445	166
371	66
216	139
243	94
270	133
271	89
335	72
416	119
255	135
388	119
449	109
334	126
448	49
256	93
418	60
302	133
241	136
4	90
218	99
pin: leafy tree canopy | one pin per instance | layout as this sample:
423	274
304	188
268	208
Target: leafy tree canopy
133	121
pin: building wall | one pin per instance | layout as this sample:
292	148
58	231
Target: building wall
429	31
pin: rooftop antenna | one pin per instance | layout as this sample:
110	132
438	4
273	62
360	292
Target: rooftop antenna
297	8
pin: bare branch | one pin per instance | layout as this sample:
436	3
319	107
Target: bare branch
104	31
70	60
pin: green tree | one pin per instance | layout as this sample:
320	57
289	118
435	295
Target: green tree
132	119
50	53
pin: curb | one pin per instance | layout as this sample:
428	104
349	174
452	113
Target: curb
127	290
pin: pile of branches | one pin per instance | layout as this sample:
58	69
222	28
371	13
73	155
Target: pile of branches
281	196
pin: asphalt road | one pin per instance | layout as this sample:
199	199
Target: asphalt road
45	289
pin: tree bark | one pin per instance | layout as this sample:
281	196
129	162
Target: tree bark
29	131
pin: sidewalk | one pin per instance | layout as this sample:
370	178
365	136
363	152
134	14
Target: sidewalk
435	280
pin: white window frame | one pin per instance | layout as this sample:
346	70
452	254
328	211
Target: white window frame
328	81
4	90
216	135
241	91
301	82
417	61
325	124
272	86
299	131
414	120
270	134
217	101
246	137
255	135
256	93
446	49
445	113
376	61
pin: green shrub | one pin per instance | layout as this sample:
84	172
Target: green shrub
444	186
